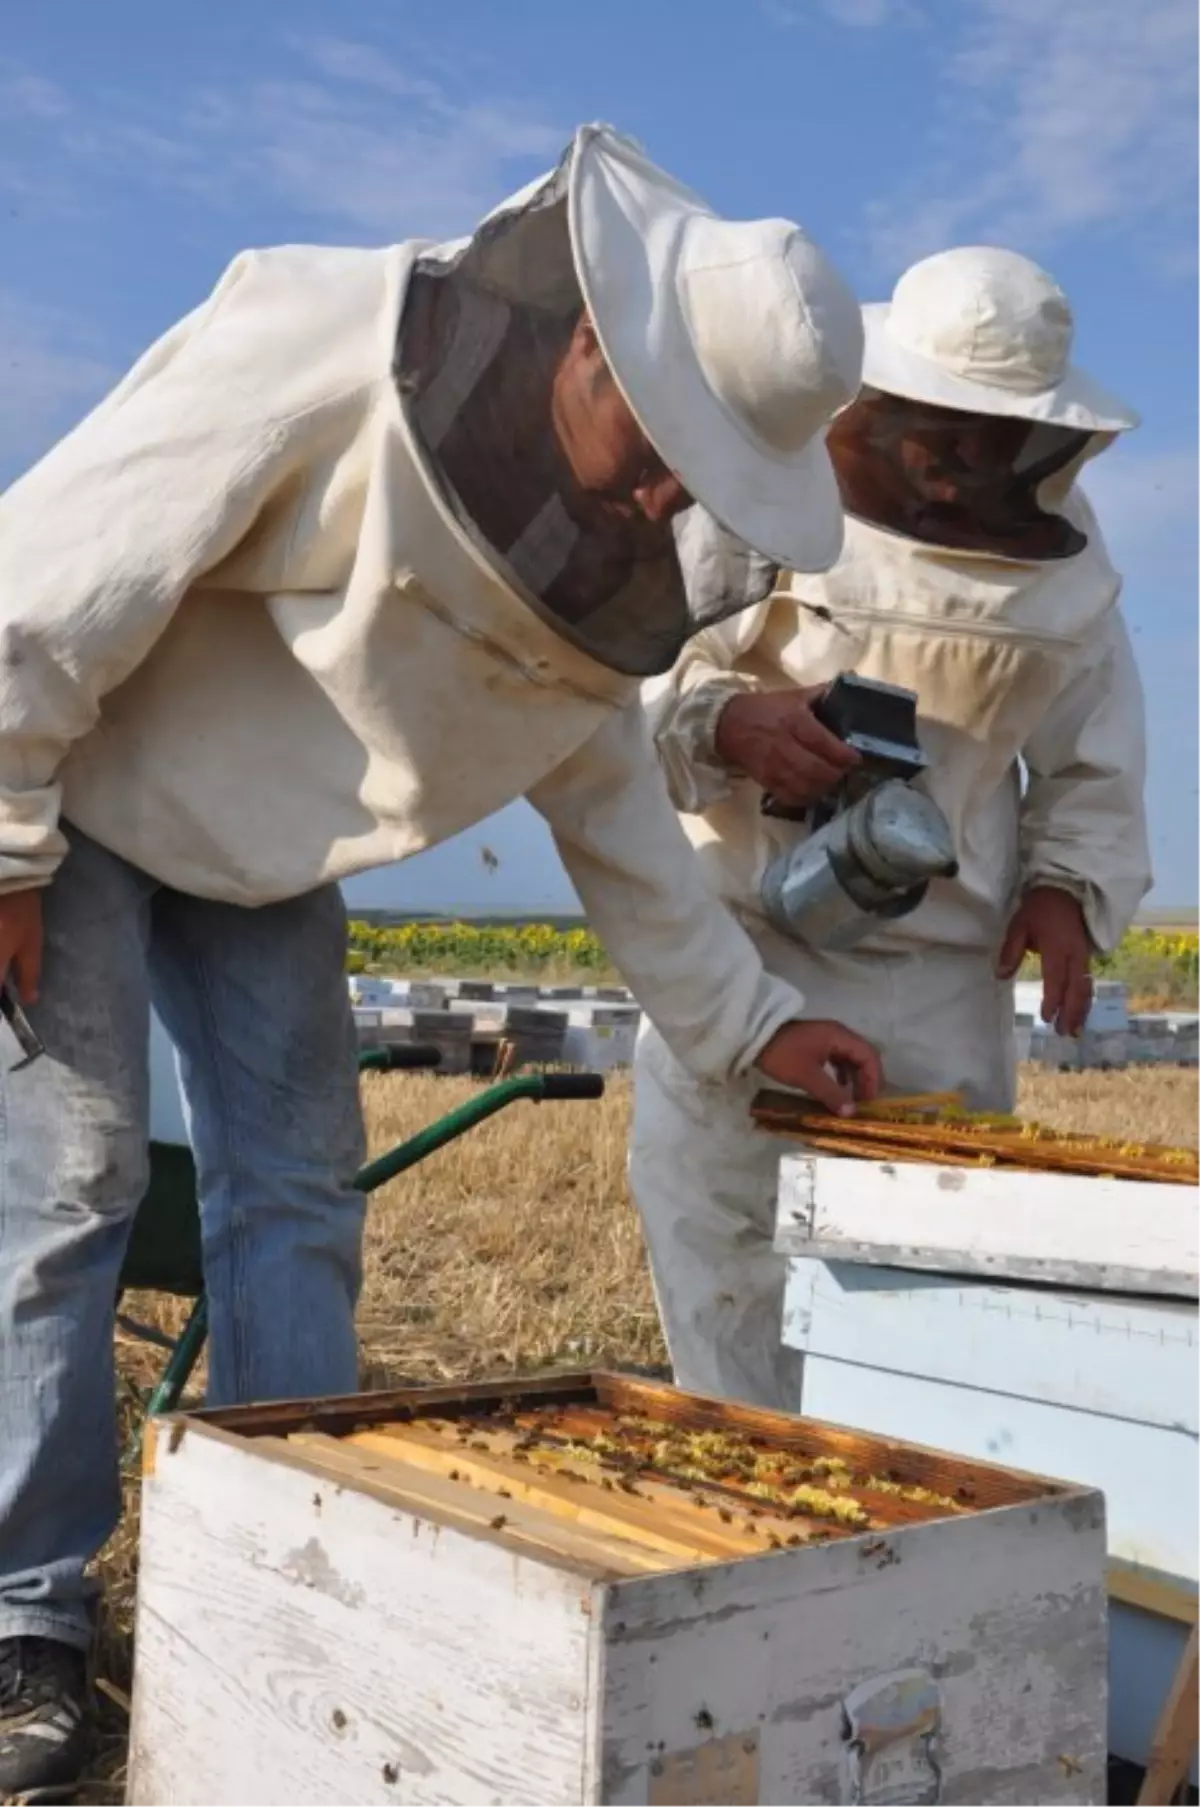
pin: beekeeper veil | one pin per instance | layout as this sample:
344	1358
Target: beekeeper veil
721	351
972	423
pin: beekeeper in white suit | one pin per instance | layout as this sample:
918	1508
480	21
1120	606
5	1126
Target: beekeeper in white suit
369	545
974	574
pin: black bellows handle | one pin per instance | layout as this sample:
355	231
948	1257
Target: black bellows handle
572	1085
402	1057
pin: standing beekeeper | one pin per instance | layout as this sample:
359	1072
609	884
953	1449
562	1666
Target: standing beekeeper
973	574
370	544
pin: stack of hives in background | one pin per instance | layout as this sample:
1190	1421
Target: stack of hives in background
1172	1039
596	1026
399	1026
1104	1042
591	1027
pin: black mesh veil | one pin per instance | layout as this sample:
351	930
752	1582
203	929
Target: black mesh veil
485	327
978	482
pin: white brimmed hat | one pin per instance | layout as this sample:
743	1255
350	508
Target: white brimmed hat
989	332
734	342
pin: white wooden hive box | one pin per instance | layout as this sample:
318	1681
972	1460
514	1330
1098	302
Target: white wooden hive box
321	1620
1042	1319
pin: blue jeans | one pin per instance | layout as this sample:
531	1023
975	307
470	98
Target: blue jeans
256	1004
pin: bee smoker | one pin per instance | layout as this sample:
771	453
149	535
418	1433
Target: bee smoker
876	842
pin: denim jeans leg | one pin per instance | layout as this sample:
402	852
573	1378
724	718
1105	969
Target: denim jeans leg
73	1169
257	1005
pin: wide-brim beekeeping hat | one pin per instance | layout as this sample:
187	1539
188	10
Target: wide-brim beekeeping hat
735	343
986	331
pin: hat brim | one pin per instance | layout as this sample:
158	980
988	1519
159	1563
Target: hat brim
1077	401
628	222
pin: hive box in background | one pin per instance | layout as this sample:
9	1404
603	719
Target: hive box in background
1109	1013
1042	1319
598	1050
1102	1049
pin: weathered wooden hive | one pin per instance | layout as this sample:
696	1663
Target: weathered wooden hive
1000	1290
594	1589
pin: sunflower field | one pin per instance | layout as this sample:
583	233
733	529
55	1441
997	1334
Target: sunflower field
1159	965
456	949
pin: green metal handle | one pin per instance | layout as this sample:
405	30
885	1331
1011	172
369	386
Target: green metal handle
536	1086
186	1354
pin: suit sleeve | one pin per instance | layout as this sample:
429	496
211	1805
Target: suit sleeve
1083	819
695	972
683	709
101	539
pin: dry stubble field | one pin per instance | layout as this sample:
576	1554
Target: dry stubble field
517	1248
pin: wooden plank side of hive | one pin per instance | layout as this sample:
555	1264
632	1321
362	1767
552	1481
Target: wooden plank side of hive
335	1416
1099	1353
299	1640
1094	1235
967	1657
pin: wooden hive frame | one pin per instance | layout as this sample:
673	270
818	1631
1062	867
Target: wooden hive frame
934	1129
478	1457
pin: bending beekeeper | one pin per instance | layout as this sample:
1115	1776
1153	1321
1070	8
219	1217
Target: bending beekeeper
369	545
975	575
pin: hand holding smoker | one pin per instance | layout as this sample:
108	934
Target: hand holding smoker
876	842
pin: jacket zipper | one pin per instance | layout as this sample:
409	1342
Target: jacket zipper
967	630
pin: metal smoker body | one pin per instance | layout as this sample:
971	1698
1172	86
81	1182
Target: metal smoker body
877	843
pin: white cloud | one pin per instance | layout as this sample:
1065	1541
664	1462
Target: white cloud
343	132
363	143
347	60
861	15
49	378
23	94
342	147
855	15
29	103
1058	116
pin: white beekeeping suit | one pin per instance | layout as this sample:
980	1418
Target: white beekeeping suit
373	543
1017	663
296	600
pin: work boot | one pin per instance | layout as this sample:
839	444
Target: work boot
44	1719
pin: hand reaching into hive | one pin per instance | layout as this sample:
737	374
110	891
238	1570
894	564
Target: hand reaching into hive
1050	923
774	738
826	1060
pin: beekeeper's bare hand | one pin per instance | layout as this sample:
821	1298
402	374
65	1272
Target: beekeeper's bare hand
774	738
21	941
826	1060
1050	923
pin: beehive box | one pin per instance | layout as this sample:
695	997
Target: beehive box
444	1030
1109	1007
593	1589
1063	1229
1033	1318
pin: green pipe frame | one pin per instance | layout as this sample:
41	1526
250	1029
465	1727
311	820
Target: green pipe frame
535	1086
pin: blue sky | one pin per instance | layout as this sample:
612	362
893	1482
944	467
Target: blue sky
142	145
